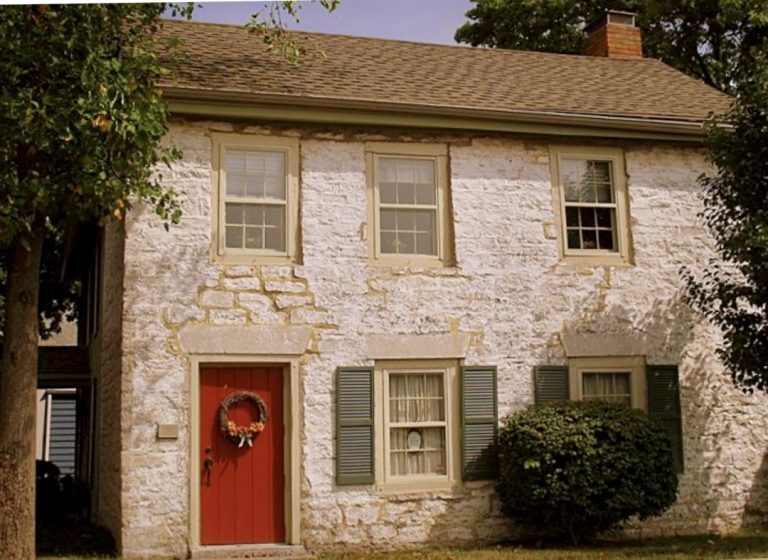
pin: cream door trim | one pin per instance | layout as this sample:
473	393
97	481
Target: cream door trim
292	444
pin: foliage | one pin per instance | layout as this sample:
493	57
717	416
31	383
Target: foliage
576	469
712	40
270	27
733	293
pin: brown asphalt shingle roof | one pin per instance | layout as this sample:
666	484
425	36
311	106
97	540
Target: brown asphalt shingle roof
226	59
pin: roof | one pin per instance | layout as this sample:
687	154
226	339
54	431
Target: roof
358	71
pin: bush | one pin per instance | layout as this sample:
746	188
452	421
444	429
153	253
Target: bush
576	469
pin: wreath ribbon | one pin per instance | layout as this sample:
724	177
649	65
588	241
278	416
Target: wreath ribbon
242	434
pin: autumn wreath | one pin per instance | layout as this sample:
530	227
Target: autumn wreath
242	434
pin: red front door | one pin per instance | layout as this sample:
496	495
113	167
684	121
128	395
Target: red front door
242	489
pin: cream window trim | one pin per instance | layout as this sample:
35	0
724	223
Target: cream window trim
622	255
437	153
289	147
634	365
386	482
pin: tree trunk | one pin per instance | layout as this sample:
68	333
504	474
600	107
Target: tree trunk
18	384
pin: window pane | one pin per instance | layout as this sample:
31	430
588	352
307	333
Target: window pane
388	220
587	217
571	216
406	193
406	220
424	171
604	193
388	193
588	239
234	237
425	244
233	213
387	170
235	184
604	217
425	194
405	171
388	242
254	214
254	238
234	161
574	239
274	222
254	186
406	243
424	220
605	240
417	451
275	187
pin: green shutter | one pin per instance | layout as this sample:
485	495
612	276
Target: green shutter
551	384
354	425
479	422
664	404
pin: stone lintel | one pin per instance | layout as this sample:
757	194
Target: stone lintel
245	340
588	345
417	346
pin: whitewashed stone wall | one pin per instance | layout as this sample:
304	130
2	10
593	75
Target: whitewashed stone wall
508	291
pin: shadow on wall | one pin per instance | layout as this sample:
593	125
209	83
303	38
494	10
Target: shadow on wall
724	486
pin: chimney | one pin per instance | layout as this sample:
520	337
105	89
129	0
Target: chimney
614	35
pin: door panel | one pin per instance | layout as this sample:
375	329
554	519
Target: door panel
242	495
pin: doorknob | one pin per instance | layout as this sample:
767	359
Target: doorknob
208	464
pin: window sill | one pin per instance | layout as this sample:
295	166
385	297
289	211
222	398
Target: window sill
417	488
252	259
617	261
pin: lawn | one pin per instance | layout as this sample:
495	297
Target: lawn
752	545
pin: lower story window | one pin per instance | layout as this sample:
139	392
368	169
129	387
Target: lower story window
619	380
417	426
614	387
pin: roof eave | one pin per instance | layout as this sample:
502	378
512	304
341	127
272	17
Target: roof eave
319	110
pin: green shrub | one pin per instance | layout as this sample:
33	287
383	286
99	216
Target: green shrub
575	469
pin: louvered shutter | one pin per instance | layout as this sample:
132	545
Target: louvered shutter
479	422
354	426
551	384
664	404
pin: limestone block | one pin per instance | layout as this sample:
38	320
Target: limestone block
217	298
283	285
228	317
252	283
285	301
238	271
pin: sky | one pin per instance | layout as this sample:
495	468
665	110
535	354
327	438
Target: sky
425	21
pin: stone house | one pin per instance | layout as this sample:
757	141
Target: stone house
394	245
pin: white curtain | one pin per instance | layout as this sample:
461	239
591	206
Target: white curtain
416	399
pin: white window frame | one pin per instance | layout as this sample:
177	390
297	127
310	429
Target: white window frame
634	365
622	253
385	480
289	147
438	153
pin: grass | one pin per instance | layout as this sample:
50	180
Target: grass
746	545
704	546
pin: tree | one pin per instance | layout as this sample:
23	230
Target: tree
81	121
733	292
713	40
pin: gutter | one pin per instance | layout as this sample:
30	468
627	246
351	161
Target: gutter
320	110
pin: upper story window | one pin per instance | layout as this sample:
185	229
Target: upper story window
409	202
590	190
256	195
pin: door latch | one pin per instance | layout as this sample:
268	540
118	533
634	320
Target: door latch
208	464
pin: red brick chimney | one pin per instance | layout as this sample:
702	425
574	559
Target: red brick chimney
614	35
